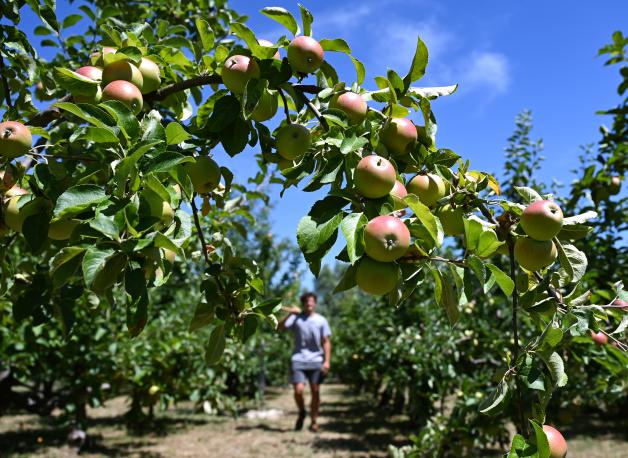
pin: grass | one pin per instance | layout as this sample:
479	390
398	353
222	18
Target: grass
350	427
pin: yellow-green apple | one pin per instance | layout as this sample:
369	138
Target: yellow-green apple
374	176
352	104
269	44
615	186
15	139
599	338
557	443
158	208
429	188
398	134
375	277
542	220
292	141
237	71
20	207
451	219
398	193
125	92
386	238
266	107
533	254
204	174
122	70
151	76
305	54
61	229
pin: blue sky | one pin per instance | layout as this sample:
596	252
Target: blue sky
506	56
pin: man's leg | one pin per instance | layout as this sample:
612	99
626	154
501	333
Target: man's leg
315	405
298	398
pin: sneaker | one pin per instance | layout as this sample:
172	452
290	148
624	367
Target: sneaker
314	427
300	419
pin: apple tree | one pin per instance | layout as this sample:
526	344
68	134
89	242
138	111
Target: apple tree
108	194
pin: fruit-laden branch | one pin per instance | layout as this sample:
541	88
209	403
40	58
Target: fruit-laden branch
196	81
5	84
285	105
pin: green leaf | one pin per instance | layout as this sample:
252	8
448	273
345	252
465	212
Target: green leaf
493	403
215	345
542	445
64	265
94	262
306	19
347	281
282	16
556	368
505	283
269	306
137	302
247	36
446	296
427	219
336	45
166	161
125	118
79	112
77	199
175	133
352	227
432	92
579	219
419	63
75	83
315	229
98	135
352	143
205	33
360	70
71	20
573	262
529	195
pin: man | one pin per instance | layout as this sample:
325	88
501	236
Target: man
311	356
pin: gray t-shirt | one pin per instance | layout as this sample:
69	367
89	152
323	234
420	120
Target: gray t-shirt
309	331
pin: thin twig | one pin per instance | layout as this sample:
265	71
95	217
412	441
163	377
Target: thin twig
197	223
5	83
284	100
196	81
314	110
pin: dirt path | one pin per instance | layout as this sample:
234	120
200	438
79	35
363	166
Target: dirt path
350	427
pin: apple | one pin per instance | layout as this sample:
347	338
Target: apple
374	176
285	164
292	141
305	54
398	134
97	56
237	71
204	174
533	254
91	72
61	229
158	208
557	443
151	76
266	107
352	104
20	207
599	338
428	188
398	193
269	44
15	139
15	191
122	70
124	92
615	186
376	277
386	238
542	220
451	219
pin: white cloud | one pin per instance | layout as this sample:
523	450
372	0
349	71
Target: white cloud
486	70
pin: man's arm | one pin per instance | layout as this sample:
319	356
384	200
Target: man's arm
327	350
282	323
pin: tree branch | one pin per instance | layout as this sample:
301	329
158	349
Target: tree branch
285	105
197	223
313	109
196	81
45	117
